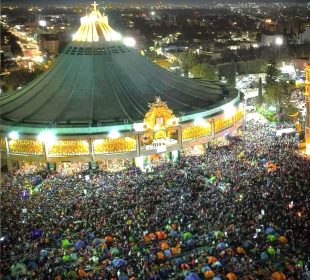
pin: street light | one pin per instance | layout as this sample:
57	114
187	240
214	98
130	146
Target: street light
279	41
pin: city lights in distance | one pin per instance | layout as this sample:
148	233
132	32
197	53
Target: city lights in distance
13	135
42	23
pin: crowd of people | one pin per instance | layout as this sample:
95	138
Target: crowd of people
239	211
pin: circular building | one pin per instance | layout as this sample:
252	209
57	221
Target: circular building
102	102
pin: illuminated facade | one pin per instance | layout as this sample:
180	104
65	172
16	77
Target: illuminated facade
95	106
307	99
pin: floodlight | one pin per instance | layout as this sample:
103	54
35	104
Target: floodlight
13	135
46	136
114	134
279	41
129	41
199	121
229	111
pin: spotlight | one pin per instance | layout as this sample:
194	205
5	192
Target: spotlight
13	135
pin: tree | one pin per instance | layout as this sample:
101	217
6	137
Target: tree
272	72
228	70
20	78
204	71
188	61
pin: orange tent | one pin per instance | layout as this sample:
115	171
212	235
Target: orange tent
240	250
208	274
160	235
231	276
164	246
283	239
278	275
160	255
212	259
108	238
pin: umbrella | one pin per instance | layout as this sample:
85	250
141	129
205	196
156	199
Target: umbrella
173	233
269	230
187	235
271	238
178	261
190	242
97	241
168	253
248	245
153	257
160	255
219	234
167	227
18	269
65	243
119	262
43	253
66	258
152	236
175	250
80	244
36	233
164	246
192	276
211	259
73	256
217	278
123	277
94	259
240	250
114	251
231	276
283	239
184	266
278	275
216	264
31	265
174	226
160	235
208	274
221	246
264	256
300	263
108	238
205	268
271	250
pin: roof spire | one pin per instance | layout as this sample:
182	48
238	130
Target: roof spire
95	6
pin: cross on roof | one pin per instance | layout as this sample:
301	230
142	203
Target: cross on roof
95	6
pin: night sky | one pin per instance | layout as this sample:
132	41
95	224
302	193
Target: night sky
43	2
